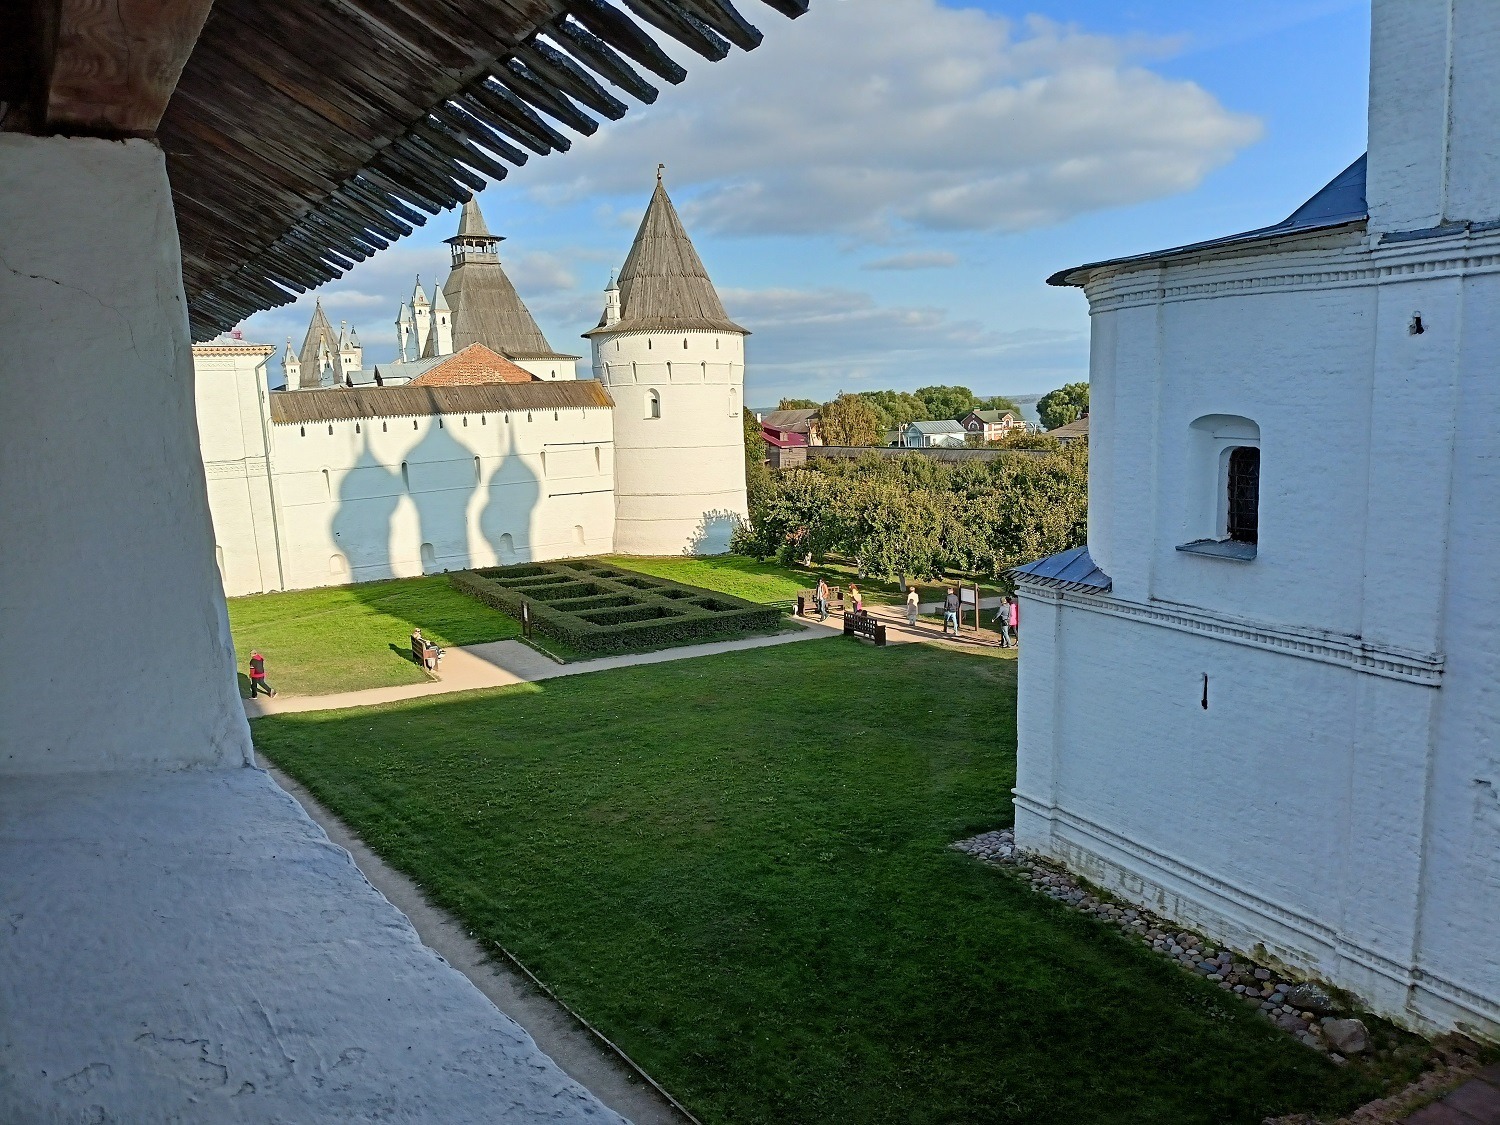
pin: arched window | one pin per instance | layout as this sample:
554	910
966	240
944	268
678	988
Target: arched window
578	534
383	428
648	343
405	477
330	431
598	459
554	416
302	430
734	402
653	404
466	419
1223	487
327	484
338	566
684	343
356	427
476	470
414	423
507	547
429	558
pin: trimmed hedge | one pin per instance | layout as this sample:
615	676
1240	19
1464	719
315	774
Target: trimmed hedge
598	608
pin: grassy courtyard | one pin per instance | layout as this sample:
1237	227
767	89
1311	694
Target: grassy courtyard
339	638
737	867
769	582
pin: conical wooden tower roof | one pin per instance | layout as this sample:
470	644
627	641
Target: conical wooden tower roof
319	331
663	285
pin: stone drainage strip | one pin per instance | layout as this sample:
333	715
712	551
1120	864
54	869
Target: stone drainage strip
1301	1009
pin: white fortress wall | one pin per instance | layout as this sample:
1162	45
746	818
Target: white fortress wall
393	497
680	480
234	432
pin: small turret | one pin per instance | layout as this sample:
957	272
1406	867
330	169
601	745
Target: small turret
611	302
440	340
405	329
291	366
421	316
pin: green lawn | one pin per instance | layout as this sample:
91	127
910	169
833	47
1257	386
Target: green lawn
768	582
737	867
338	638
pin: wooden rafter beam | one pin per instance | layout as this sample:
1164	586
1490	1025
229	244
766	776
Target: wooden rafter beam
115	63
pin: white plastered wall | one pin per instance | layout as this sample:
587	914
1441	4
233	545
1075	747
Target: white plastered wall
395	497
116	651
1334	807
680	477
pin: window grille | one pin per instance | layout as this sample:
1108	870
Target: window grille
1244	493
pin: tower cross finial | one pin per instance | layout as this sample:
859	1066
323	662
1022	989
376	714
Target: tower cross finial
660	168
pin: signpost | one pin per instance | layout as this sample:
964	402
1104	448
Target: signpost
968	598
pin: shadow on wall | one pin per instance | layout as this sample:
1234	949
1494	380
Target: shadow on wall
467	509
712	535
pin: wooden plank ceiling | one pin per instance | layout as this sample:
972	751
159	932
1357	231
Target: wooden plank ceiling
304	135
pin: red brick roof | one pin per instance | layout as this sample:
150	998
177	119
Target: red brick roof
473	366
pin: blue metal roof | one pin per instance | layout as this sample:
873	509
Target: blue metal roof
1067	570
1342	200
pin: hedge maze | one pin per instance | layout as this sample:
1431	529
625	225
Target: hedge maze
594	607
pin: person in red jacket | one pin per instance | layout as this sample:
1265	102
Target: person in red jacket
258	681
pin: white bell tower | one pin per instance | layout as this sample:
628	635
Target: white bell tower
675	365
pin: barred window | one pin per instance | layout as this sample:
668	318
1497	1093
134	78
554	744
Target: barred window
1244	493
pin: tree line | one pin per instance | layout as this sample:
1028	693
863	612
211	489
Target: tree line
917	517
866	417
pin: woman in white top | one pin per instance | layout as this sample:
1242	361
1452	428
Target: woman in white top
911	606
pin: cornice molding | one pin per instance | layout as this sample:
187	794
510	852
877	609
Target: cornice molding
1425	669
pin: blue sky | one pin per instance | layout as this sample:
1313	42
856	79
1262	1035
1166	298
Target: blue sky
881	189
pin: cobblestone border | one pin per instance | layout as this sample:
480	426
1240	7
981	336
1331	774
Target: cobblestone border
1304	1010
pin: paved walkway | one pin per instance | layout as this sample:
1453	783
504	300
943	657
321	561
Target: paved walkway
1476	1102
502	663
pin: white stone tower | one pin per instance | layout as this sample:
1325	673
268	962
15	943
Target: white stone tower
404	333
675	365
421	316
440	337
291	366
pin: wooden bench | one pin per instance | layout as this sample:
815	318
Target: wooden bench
807	603
424	650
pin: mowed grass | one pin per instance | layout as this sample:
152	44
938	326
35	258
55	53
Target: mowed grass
317	642
738	868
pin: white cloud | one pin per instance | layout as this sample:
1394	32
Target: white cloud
814	343
877	115
916	260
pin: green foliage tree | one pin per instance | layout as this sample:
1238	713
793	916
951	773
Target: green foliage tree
797	404
1000	402
896	408
757	472
948	402
917	516
1064	405
1020	439
850	420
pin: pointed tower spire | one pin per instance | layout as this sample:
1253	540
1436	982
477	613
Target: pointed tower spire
663	285
291	366
473	241
316	345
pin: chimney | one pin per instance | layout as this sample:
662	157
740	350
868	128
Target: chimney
1434	114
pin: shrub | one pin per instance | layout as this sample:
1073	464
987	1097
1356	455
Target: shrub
598	609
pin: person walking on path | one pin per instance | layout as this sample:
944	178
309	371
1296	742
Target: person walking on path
950	611
258	681
820	598
911	606
1002	621
856	598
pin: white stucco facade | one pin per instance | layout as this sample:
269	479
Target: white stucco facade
107	566
318	503
1297	752
679	437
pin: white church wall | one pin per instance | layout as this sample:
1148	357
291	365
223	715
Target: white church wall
117	652
1311	858
680	471
1335	802
395	497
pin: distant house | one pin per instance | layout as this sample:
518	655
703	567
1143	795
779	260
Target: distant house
924	435
1073	431
788	433
991	425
